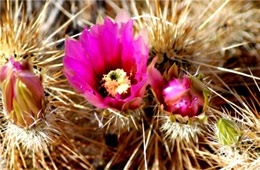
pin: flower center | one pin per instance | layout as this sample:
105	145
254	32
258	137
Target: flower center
116	82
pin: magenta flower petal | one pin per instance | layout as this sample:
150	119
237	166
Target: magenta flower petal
92	51
195	105
109	34
156	80
123	105
82	77
96	42
95	99
128	51
175	90
139	88
141	55
77	69
134	101
182	107
74	50
132	104
133	51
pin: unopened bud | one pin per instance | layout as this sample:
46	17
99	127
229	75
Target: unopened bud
23	95
228	132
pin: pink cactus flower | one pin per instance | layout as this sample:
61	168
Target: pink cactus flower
177	95
23	94
107	65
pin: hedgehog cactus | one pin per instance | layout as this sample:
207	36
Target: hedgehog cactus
111	99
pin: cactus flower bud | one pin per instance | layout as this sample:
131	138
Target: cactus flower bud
23	94
228	133
179	99
179	95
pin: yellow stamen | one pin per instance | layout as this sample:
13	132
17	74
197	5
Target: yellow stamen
116	82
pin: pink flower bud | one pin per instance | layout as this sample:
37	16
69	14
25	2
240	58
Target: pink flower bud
177	95
178	98
23	94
